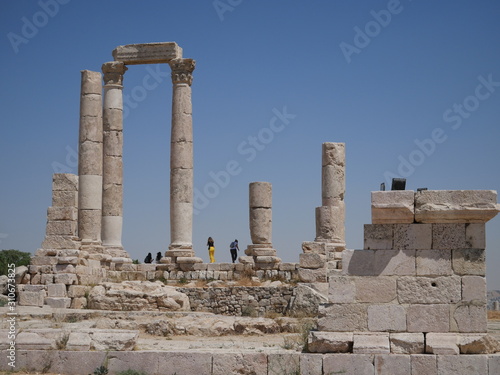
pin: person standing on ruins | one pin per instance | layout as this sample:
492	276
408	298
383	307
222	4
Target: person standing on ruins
211	249
234	248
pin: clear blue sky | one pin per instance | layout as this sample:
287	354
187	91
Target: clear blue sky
381	76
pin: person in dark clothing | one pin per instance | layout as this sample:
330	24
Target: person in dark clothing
148	258
234	248
158	257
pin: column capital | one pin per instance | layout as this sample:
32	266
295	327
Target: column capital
113	72
182	70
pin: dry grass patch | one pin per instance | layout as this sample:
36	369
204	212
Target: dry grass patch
493	315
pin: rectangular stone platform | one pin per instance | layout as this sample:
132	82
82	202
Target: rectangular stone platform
147	53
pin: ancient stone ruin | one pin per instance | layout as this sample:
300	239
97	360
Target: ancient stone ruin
413	301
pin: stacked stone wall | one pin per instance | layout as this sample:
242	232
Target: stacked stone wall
240	300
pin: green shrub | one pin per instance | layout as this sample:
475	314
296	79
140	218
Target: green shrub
131	372
19	258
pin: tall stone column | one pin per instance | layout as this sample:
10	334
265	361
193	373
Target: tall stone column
90	160
330	217
112	192
181	157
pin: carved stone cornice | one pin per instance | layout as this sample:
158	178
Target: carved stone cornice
113	72
182	70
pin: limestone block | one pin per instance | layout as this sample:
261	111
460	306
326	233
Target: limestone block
68	260
423	364
264	252
332	153
61	228
261	225
378	236
78	303
91	82
56	290
113	99
267	266
246	260
60	242
78	341
58	302
75	291
407	343
353	364
147	53
43	260
182	260
393	364
448	236
283	363
174	253
332	184
266	259
183	155
428	318
412	236
113	169
112	201
341	289
455	206
64	268
380	289
62	213
392	207
314	247
475	236
113	339
113	143
260	195
90	105
65	199
312	260
434	263
112	119
477	344
64	182
330	223
146	267
307	275
91	128
330	342
358	262
27	298
371	343
474	289
469	262
90	153
90	192
462	364
239	363
441	343
311	364
469	317
342	318
427	290
47	279
494	364
386	318
66	278
34	341
32	288
394	262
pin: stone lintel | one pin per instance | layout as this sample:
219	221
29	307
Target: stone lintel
147	53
